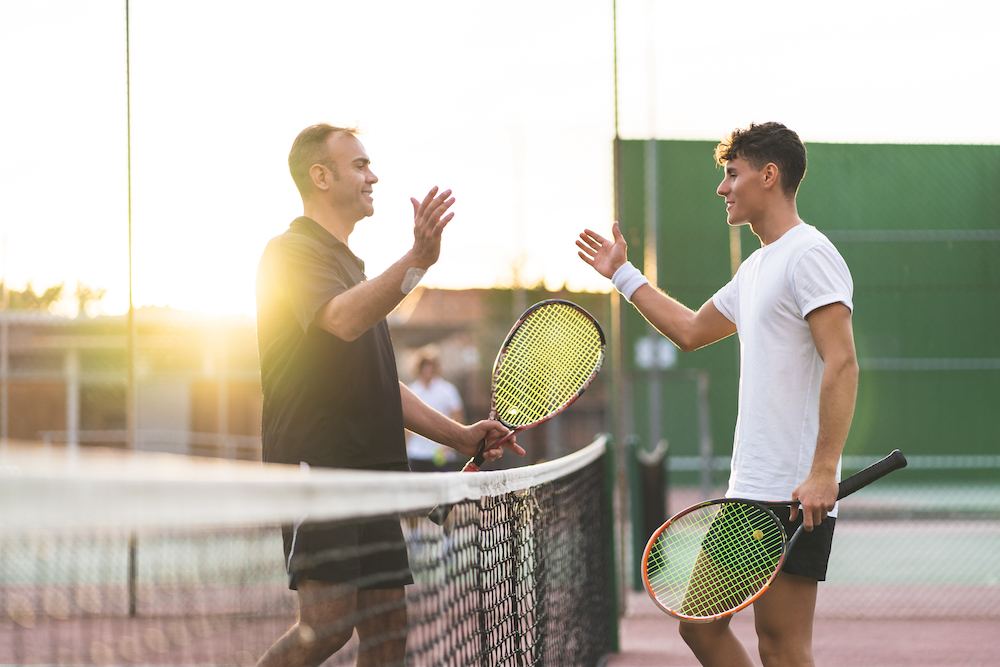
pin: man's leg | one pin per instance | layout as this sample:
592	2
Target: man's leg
326	623
784	619
382	627
715	644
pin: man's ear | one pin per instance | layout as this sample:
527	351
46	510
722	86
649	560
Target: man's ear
772	175
320	176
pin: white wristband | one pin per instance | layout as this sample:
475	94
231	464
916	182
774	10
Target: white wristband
411	279
627	279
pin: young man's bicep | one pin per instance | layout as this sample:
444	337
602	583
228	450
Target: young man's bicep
833	333
712	325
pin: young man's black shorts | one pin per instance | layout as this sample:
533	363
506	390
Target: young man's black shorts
811	552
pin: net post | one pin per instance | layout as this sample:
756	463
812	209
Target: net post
610	476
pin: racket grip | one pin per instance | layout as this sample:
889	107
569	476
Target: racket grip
440	513
894	461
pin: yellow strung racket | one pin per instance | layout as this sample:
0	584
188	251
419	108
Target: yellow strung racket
548	359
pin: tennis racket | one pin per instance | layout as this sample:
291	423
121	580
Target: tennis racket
717	557
548	359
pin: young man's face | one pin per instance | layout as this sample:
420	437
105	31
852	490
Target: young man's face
743	189
351	188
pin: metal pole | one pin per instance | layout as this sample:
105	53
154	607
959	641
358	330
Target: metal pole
652	210
622	422
5	355
705	430
130	416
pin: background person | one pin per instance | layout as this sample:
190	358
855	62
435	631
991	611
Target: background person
426	455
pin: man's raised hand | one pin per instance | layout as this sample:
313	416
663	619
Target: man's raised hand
430	217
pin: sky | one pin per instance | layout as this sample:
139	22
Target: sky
511	105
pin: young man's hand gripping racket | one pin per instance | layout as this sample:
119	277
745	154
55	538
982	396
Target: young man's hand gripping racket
549	358
717	557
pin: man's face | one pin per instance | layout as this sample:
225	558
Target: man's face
351	187
743	189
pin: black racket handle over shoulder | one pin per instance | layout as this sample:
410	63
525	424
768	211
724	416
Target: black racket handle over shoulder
859	480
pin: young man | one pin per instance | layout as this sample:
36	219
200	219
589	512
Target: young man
332	397
790	302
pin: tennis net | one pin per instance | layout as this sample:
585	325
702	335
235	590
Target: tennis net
108	559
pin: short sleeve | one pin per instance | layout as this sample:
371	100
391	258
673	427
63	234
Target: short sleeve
725	300
821	277
312	279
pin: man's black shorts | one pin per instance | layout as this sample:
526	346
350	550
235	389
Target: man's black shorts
811	552
369	554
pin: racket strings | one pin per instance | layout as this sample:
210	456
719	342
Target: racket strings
713	559
550	359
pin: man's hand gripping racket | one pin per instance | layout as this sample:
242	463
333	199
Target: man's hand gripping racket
548	359
717	557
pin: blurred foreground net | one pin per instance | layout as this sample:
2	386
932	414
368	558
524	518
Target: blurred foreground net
116	560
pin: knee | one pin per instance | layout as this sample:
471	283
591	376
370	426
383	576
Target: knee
697	634
784	650
320	643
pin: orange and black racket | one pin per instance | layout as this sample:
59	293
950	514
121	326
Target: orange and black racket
548	359
717	557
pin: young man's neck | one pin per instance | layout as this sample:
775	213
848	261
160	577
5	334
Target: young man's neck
328	219
778	220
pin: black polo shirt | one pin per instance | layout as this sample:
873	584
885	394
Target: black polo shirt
327	401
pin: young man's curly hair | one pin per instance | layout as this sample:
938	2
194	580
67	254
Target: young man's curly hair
762	143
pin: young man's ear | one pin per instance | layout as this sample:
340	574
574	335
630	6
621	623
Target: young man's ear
771	175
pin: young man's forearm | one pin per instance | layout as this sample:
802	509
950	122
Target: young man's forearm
837	398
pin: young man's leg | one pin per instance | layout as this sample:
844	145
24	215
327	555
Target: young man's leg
784	619
715	644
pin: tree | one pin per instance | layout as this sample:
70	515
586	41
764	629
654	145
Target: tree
29	299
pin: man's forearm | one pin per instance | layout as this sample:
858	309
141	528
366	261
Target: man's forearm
838	394
424	420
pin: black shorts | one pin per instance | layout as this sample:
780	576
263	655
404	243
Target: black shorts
369	554
811	552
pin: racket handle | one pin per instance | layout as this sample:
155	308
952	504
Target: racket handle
859	480
440	513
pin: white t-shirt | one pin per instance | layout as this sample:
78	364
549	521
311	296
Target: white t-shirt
443	397
780	369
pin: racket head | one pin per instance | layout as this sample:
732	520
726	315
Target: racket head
713	559
551	355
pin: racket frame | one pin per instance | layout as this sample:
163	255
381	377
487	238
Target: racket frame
765	507
440	513
474	463
894	461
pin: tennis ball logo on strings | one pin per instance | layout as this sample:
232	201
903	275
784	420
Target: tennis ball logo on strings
758	534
